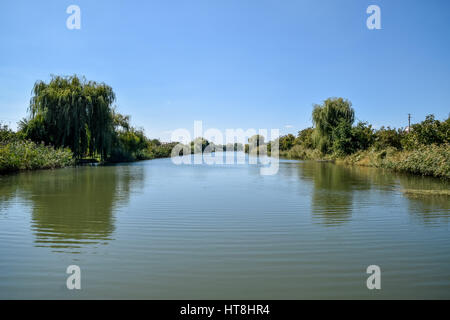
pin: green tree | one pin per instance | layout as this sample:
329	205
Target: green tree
199	144
72	112
305	138
388	137
327	117
256	140
429	131
362	136
286	142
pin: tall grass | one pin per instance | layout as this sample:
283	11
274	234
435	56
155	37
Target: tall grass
26	155
431	160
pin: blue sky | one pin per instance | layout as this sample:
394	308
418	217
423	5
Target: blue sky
234	64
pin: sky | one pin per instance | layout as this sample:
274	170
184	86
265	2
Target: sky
233	63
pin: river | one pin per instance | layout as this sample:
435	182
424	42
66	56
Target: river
156	230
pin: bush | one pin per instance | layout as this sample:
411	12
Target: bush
286	142
298	152
27	155
429	131
432	160
7	135
305	138
387	137
363	136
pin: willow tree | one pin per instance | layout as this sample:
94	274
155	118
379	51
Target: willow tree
333	113
72	112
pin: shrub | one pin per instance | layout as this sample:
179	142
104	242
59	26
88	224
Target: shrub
27	155
432	160
429	131
300	153
305	138
363	136
387	137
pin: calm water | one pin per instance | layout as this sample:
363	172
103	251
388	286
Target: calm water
160	231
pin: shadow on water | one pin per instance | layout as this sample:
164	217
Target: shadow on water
73	208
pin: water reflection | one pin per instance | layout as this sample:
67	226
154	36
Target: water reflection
333	188
429	208
72	208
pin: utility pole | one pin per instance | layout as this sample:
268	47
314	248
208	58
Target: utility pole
409	122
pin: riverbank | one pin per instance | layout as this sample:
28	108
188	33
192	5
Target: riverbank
19	154
27	155
432	160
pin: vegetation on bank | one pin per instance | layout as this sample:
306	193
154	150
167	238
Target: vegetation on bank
19	154
423	149
71	119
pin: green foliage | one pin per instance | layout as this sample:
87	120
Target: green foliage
71	112
27	155
156	149
131	144
429	131
363	136
387	137
328	116
305	138
423	149
256	140
286	142
128	146
198	145
431	160
7	135
299	152
341	139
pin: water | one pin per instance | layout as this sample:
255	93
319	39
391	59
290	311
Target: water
154	230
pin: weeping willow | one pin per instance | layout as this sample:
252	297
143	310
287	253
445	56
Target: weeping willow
72	112
327	117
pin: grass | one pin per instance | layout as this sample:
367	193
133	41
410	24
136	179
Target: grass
429	160
26	155
419	192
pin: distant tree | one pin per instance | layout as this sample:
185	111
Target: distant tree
327	117
199	145
304	138
286	142
256	140
388	137
429	131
